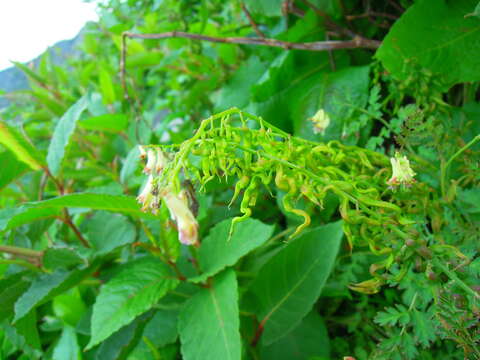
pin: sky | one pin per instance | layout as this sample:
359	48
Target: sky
29	27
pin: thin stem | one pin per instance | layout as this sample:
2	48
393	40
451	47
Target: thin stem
20	263
452	276
252	22
14	250
67	220
445	166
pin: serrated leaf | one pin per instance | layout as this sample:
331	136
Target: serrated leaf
23	150
129	294
423	327
54	258
290	283
107	232
391	316
67	347
443	36
309	339
217	251
209	322
45	287
12	168
62	133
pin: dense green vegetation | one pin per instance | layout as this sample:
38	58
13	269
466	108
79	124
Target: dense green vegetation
263	179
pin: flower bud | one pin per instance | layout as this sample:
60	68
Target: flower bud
151	161
143	153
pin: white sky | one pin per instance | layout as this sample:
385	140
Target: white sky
29	27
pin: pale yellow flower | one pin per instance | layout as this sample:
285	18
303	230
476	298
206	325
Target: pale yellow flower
402	173
320	121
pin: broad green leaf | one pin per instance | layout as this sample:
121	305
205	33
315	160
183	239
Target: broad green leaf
62	133
289	284
129	294
106	86
209	323
14	217
108	122
67	347
145	59
11	288
265	7
307	340
130	165
69	306
54	258
423	325
27	328
121	343
218	251
12	168
45	287
340	94
445	42
237	91
23	150
106	232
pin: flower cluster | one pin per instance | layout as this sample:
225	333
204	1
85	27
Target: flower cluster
402	173
177	204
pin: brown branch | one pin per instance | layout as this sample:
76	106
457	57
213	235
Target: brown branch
355	43
67	220
252	22
371	13
22	252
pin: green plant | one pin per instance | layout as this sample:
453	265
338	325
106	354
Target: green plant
307	173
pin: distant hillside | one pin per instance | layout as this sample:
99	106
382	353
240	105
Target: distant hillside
12	79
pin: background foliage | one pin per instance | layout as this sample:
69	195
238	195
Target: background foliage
85	274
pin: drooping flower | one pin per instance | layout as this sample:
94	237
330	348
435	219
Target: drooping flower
177	204
180	212
320	121
402	173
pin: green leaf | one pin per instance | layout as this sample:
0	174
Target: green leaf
108	122
30	73
14	217
209	323
391	316
423	327
107	232
237	91
129	165
445	42
12	287
45	287
265	7
67	347
339	94
130	293
106	86
54	258
308	339
27	327
23	150
290	283
11	168
121	343
217	251
62	133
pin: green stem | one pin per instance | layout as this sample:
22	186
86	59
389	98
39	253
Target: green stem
14	250
20	263
452	276
444	166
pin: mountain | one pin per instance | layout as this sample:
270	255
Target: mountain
12	79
